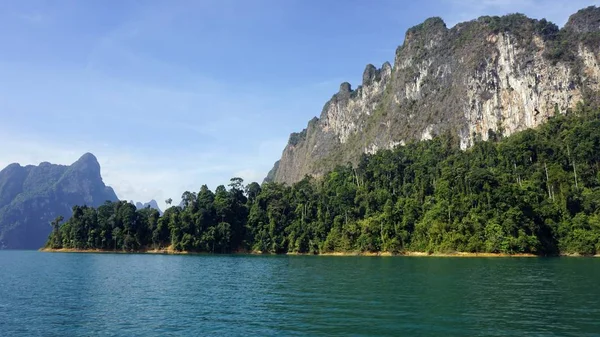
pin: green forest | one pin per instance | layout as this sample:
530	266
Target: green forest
537	191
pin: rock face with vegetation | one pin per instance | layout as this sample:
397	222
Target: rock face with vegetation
493	75
535	192
32	196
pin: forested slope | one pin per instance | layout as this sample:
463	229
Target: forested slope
537	191
504	74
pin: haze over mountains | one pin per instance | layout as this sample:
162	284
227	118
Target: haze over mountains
152	204
32	196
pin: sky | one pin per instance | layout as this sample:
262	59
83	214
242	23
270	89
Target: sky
170	95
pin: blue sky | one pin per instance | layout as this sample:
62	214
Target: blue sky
170	95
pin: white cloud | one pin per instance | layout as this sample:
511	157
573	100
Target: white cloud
250	175
139	177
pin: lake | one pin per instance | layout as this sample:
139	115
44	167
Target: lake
66	294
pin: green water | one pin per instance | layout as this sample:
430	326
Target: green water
62	294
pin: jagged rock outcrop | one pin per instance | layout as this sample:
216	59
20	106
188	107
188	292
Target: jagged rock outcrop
490	75
32	196
152	204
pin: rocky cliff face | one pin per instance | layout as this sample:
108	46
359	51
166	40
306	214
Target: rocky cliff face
32	196
487	76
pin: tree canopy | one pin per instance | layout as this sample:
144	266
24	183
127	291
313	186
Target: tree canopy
537	191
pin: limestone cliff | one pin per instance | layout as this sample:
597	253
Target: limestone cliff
33	196
490	75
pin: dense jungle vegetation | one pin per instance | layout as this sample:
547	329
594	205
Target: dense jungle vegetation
537	191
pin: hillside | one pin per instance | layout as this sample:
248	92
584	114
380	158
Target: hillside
492	75
32	196
534	192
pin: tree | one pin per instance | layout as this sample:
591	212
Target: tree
252	191
188	199
519	194
55	237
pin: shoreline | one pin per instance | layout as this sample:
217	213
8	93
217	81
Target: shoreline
420	254
168	251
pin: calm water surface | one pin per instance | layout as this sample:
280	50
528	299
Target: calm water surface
62	294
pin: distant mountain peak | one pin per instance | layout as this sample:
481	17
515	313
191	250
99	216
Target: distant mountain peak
13	166
88	156
88	159
32	196
87	163
152	204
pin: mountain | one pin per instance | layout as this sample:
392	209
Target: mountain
32	196
492	75
534	192
152	204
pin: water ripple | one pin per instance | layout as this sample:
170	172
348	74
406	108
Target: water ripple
45	294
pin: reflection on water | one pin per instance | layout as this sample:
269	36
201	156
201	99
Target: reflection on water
53	294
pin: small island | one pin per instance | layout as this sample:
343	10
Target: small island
535	193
